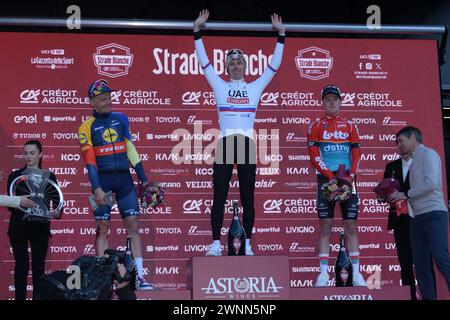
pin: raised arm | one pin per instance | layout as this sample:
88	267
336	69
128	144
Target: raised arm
210	74
275	62
201	20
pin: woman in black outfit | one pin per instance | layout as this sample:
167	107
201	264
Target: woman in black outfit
21	232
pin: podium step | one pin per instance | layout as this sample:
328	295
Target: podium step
240	277
351	293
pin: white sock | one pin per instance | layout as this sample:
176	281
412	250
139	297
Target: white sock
140	267
354	258
216	243
323	258
247	243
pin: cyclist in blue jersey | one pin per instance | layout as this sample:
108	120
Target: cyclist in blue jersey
237	102
107	149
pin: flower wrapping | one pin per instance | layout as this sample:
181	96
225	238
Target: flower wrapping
151	195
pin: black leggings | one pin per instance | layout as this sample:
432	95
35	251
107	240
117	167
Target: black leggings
239	146
39	245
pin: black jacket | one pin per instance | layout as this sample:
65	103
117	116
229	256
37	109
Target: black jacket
18	226
396	168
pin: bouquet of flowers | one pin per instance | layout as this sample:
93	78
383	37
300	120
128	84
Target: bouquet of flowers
386	187
151	195
335	191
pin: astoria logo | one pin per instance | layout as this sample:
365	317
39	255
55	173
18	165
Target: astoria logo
242	285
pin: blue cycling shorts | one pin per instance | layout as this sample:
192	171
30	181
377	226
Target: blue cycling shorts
121	184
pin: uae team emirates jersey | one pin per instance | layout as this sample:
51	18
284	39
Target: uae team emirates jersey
237	100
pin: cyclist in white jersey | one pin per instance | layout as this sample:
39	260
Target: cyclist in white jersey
237	102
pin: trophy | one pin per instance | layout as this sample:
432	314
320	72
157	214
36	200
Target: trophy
109	199
236	234
343	269
42	190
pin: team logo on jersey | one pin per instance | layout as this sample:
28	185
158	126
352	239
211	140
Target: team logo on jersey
82	138
110	135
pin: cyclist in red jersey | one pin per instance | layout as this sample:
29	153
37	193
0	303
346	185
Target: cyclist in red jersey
334	141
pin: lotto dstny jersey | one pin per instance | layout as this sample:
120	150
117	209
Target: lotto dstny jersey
333	141
237	100
106	145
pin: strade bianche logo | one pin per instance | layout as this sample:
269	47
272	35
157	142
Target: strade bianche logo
257	286
113	60
314	63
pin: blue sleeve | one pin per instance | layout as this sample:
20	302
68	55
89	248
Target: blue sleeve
93	176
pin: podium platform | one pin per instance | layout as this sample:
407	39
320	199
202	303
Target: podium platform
240	277
164	294
351	293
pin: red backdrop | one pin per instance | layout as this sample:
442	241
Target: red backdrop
386	84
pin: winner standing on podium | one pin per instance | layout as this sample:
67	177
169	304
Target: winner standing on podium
237	102
333	143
